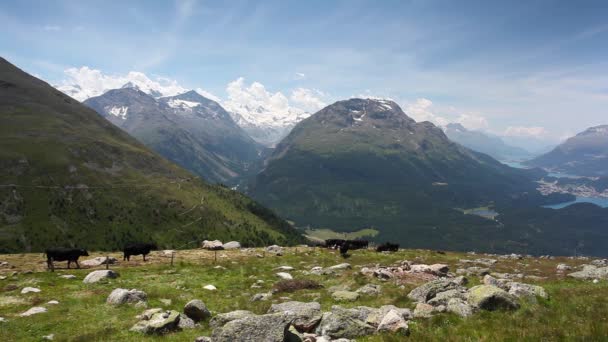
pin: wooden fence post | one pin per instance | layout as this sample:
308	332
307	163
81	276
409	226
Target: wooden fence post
172	255
52	265
107	262
215	256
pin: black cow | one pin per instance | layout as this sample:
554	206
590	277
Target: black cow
64	254
388	247
334	243
138	249
358	244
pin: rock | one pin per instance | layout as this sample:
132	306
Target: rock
3	320
186	322
203	339
341	323
284	268
340	267
158	323
488	297
527	291
590	272
345	296
284	275
33	311
489	280
197	310
393	322
146	315
123	296
261	297
166	301
599	262
99	275
370	290
439	269
442	298
474	270
427	291
52	302
210	287
307	315
267	328
223	318
459	307
49	337
212	244
30	289
595	281
98	261
232	245
423	310
274	249
460	280
67	276
563	267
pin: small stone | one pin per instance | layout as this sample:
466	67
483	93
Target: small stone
261	297
210	287
33	311
53	302
346	296
197	310
67	276
423	310
30	289
166	301
393	322
99	275
123	296
284	275
49	337
370	290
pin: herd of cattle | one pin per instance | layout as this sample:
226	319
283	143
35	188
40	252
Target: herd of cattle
71	255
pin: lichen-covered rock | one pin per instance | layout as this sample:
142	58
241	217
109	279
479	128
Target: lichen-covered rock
563	267
123	296
261	297
30	289
370	290
527	291
500	283
423	310
488	297
442	298
340	267
459	307
590	272
232	245
212	245
197	310
427	291
97	276
223	318
98	261
267	328
343	323
159	322
186	322
284	275
274	249
307	315
345	296
34	311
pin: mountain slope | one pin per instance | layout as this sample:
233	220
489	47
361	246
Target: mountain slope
585	154
69	177
364	163
188	129
480	142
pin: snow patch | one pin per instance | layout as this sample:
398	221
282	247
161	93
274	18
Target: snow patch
182	104
120	112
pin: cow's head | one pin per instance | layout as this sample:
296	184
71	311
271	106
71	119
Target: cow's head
83	252
152	246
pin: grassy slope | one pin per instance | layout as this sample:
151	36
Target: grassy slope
576	310
82	181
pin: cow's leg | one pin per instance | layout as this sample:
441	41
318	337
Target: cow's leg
77	264
48	263
124	257
144	257
69	261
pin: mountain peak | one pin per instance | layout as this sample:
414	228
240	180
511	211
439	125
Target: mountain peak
596	130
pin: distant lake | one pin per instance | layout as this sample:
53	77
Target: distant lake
599	201
519	165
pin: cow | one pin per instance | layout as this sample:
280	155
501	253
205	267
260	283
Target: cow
138	249
388	247
64	254
358	244
344	249
334	243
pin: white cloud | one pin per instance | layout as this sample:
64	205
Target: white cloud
308	99
84	82
299	76
52	28
422	110
525	131
473	121
208	95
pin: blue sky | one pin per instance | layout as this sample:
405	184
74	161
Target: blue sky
526	69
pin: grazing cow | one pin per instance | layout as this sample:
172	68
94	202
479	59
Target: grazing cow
344	249
64	254
138	249
334	243
388	247
358	244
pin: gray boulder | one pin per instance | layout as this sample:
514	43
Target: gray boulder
527	291
232	245
423	310
212	244
186	322
370	290
501	283
267	328
427	291
393	322
98	261
343	323
459	307
442	298
159	322
261	297
197	310
590	272
274	249
345	296
123	296
488	297
99	275
221	319
306	315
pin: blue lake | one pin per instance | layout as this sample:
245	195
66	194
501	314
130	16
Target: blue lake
599	201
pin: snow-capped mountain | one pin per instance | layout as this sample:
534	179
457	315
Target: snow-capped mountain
265	125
